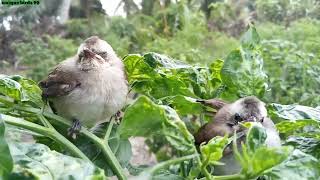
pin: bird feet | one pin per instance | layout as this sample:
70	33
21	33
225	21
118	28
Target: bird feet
74	130
118	117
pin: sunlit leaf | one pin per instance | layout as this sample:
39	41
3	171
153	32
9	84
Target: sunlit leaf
213	150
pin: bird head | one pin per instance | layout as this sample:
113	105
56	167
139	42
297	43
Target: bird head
95	53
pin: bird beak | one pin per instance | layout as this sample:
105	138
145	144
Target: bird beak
88	54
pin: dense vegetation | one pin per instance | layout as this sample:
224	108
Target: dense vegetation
277	60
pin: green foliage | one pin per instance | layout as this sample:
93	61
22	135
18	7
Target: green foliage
36	161
21	89
242	72
169	89
301	123
212	152
255	152
171	77
286	10
291	61
6	163
298	166
167	112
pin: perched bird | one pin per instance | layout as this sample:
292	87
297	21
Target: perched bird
226	122
88	88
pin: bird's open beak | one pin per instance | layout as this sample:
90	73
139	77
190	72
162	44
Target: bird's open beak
252	119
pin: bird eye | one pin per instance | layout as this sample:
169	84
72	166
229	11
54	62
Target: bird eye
237	117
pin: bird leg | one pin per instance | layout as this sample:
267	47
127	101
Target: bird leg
75	128
118	117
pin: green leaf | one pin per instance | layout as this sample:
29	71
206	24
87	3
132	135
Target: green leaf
6	162
184	105
298	166
266	158
176	132
256	137
212	152
251	38
145	118
242	71
142	118
293	112
288	127
21	89
307	145
158	76
253	156
11	88
37	161
30	89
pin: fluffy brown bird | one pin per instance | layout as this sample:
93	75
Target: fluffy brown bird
88	88
226	122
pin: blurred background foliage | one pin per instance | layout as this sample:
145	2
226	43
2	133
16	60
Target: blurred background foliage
35	38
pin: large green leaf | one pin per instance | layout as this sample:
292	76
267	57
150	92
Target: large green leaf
6	162
289	127
142	118
293	112
31	89
242	71
296	119
159	76
184	105
21	89
253	156
255	138
176	132
212	152
307	145
145	118
298	166
37	161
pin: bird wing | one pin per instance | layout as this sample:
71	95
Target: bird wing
214	103
59	83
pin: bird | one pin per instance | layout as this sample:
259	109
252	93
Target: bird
228	119
88	88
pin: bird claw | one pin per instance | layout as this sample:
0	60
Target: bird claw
74	130
118	117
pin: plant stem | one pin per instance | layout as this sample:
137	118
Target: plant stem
110	157
107	135
165	164
203	168
229	177
51	133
